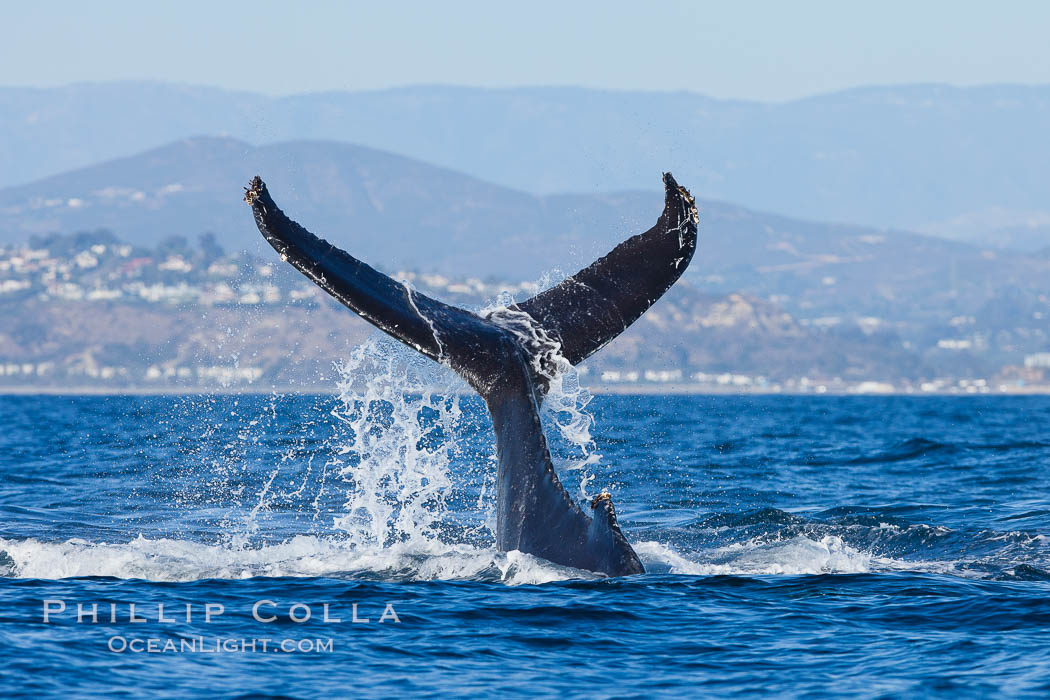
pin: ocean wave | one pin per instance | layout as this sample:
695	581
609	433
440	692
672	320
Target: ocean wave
790	550
308	556
303	556
796	556
1025	572
844	539
906	450
919	448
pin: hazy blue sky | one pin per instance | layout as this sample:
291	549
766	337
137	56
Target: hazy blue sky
770	51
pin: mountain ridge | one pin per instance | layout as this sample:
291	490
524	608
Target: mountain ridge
897	156
406	214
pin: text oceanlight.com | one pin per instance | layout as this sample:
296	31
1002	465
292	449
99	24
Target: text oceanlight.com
217	645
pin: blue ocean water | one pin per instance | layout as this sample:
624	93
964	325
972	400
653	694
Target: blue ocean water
821	546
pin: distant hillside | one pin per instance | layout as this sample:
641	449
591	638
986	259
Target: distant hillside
90	310
386	206
403	214
919	156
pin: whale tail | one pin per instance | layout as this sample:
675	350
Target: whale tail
535	514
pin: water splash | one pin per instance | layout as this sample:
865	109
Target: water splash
397	419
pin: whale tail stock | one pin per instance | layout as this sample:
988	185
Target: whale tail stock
584	312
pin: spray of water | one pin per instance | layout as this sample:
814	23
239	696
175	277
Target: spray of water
394	444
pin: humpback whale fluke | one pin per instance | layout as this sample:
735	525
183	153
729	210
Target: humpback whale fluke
510	367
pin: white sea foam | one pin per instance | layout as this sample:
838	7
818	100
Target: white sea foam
304	556
182	560
794	556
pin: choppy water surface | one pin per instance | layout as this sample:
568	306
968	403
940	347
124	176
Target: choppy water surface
819	545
